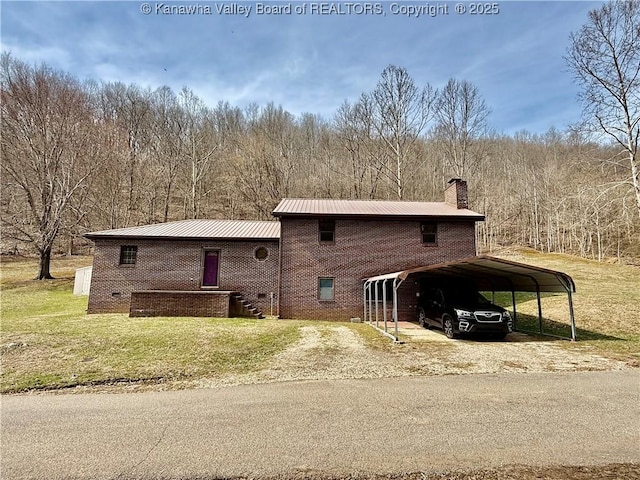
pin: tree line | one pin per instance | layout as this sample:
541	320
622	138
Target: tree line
84	156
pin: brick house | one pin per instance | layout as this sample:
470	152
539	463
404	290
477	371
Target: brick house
190	267
310	264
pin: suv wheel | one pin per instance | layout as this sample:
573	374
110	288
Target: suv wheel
447	326
422	318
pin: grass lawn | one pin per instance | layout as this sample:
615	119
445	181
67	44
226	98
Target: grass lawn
606	303
48	341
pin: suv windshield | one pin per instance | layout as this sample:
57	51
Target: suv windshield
468	297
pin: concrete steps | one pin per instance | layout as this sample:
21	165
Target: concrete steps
240	307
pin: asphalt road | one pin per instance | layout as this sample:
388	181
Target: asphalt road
334	427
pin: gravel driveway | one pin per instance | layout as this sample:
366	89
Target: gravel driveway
337	351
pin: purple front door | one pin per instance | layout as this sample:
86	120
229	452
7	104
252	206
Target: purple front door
210	275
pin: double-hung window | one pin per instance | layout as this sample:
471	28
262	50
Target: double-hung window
326	290
326	231
429	231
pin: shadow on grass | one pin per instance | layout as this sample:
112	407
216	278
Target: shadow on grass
551	330
57	283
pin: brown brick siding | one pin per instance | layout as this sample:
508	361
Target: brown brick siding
177	265
179	304
362	248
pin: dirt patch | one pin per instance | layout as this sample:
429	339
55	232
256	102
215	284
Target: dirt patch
329	352
519	353
334	352
323	352
628	471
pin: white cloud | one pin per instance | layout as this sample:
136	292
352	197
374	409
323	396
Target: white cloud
51	55
313	63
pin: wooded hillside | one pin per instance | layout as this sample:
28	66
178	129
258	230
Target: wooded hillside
84	156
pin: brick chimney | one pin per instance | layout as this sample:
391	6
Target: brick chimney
456	193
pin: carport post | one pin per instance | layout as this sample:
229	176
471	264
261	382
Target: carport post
539	307
370	305
384	302
376	287
572	318
367	311
513	302
364	298
568	287
396	284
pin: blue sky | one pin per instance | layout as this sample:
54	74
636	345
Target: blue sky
312	62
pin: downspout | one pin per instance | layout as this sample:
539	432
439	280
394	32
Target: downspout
279	271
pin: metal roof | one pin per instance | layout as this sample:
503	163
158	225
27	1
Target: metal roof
491	273
370	208
193	229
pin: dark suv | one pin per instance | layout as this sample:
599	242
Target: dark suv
461	310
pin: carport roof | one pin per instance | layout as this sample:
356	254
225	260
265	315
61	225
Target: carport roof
493	274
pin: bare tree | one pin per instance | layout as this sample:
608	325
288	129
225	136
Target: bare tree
167	135
199	143
314	141
268	158
461	115
605	58
401	112
363	166
49	151
128	107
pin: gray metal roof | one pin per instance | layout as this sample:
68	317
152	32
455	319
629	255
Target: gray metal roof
195	229
491	273
370	208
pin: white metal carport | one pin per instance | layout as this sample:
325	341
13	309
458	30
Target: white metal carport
488	273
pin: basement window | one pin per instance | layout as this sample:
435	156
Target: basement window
429	232
128	254
326	231
325	289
